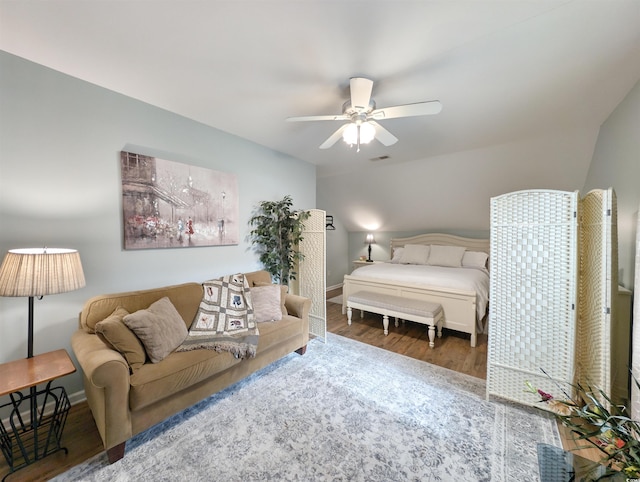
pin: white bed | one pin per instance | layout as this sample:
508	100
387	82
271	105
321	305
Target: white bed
463	292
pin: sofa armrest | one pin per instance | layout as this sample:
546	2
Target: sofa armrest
298	306
106	386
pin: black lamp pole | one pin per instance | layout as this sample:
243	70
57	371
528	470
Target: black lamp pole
30	334
371	240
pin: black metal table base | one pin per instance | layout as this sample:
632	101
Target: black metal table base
29	438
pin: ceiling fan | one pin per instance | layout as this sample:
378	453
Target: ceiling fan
361	113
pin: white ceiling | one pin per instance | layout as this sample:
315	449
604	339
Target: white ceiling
505	71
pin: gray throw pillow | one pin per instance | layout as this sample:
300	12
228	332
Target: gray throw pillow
118	336
160	328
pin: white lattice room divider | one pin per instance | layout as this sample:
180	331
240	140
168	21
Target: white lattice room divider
598	288
635	347
311	279
532	316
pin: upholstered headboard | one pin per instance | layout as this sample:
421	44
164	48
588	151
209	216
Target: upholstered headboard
442	239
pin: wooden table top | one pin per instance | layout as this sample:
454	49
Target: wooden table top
28	372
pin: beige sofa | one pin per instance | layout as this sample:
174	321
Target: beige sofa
125	402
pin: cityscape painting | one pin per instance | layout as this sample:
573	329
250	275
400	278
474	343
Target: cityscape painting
169	204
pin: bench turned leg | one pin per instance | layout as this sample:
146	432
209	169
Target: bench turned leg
349	313
385	324
432	335
398	324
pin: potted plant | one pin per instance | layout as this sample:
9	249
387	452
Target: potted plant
595	419
276	231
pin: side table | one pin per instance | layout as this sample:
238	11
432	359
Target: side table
35	434
359	262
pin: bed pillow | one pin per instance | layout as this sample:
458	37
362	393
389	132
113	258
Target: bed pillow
115	334
475	259
160	328
266	303
450	256
415	254
397	255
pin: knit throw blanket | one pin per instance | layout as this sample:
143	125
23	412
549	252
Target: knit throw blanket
225	320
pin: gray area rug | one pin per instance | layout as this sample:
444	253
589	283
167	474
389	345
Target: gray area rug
343	411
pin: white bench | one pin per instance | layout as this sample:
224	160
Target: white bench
424	312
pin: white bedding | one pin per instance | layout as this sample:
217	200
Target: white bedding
468	279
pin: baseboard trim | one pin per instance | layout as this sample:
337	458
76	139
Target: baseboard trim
77	397
74	399
334	287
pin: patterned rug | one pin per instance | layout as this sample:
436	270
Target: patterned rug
343	411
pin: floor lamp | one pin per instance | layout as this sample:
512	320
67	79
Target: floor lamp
35	273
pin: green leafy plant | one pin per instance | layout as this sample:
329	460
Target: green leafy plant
276	231
593	417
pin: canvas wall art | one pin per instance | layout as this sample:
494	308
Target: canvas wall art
169	204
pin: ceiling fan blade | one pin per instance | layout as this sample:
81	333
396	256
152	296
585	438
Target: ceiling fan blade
383	135
408	110
317	118
360	92
333	138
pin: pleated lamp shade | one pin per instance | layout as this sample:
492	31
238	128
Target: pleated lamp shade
40	271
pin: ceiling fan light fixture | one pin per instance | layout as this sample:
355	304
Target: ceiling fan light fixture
361	113
350	134
367	133
356	134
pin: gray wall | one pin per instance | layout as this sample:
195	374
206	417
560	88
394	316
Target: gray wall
616	163
60	140
336	254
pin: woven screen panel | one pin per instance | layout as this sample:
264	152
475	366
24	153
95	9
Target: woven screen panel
533	292
311	271
635	347
597	282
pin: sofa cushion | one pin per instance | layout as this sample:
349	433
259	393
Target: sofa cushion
274	332
180	370
118	336
185	298
256	277
155	381
160	328
266	303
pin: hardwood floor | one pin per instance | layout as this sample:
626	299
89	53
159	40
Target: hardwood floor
80	437
452	351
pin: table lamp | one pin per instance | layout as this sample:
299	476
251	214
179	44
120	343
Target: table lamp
37	272
371	240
